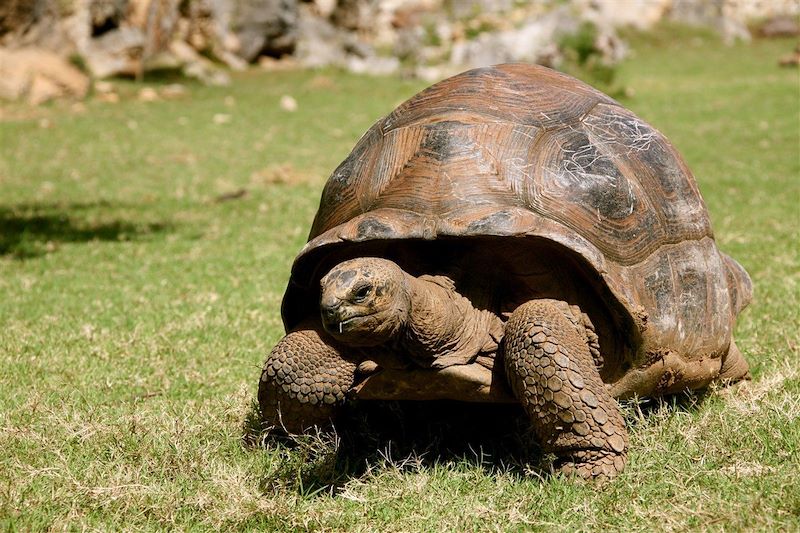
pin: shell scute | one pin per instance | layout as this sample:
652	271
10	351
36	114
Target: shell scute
581	186
642	151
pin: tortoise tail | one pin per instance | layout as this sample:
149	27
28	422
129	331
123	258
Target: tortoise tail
739	285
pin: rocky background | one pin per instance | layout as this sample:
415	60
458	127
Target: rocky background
50	48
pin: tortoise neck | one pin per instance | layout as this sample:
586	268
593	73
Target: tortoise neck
443	328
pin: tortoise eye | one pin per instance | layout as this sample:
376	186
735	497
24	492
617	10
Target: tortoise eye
361	293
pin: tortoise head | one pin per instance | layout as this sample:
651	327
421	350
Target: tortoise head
365	301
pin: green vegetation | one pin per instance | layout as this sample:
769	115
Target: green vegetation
144	249
584	60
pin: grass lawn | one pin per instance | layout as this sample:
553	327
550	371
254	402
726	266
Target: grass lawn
137	305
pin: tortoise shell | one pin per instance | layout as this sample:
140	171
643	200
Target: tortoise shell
522	154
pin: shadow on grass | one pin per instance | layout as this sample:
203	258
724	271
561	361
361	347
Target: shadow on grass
378	436
32	230
168	75
375	436
643	410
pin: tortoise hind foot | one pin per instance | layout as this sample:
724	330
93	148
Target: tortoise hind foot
304	381
734	366
552	372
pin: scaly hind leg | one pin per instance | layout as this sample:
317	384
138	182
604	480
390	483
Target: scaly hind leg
304	381
552	372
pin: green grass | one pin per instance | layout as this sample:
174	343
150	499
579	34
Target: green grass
136	309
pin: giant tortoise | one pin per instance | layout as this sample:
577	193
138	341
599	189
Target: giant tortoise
509	234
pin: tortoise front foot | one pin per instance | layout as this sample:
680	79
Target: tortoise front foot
304	381
553	374
591	464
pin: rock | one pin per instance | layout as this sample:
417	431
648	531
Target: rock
121	37
39	75
197	66
42	89
527	43
16	17
249	28
284	63
201	27
103	87
431	55
779	26
288	103
174	90
221	118
266	26
148	94
325	8
319	43
232	60
409	42
110	98
722	15
128	37
105	15
378	22
119	51
349	14
611	48
749	10
467	8
158	21
373	65
33	24
640	14
791	60
435	73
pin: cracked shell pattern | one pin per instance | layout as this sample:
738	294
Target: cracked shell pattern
305	378
552	371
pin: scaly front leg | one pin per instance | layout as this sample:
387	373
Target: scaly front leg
305	380
553	373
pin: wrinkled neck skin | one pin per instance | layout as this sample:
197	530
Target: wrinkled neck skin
443	328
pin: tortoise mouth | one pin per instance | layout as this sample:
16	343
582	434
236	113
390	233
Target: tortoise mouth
336	326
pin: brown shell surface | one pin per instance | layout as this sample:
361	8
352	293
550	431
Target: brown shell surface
519	150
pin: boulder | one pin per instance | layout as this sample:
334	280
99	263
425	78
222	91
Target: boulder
779	26
528	43
319	42
791	60
250	28
119	37
265	26
468	8
38	75
17	16
33	23
115	52
721	15
198	67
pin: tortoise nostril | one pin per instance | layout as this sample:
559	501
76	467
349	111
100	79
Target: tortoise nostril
329	306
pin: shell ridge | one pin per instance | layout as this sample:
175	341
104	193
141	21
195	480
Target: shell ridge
414	138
